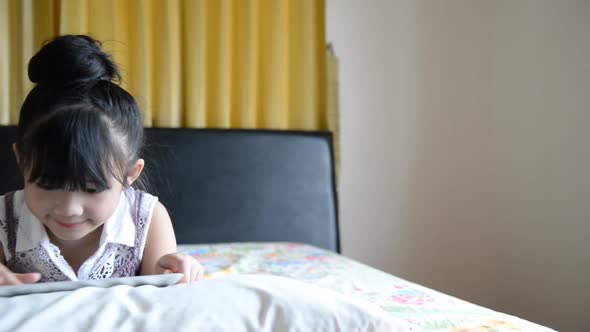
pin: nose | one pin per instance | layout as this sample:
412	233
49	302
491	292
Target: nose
68	204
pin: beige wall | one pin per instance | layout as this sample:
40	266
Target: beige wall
466	148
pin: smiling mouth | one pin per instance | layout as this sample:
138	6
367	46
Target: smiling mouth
69	225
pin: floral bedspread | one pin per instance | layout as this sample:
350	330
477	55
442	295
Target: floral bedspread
426	309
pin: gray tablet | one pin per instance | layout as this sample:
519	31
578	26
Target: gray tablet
158	280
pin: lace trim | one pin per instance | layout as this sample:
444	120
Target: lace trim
114	262
11	222
143	208
4	229
36	260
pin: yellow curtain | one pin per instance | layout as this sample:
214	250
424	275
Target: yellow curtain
333	102
189	63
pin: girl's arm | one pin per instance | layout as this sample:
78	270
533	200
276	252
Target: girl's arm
160	239
160	256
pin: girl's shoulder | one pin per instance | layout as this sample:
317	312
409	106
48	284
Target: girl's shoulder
10	208
14	200
141	203
135	195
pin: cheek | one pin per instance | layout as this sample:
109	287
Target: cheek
103	206
37	200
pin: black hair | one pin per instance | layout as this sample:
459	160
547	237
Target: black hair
77	126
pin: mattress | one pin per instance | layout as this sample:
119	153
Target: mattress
260	287
423	308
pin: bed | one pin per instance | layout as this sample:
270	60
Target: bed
258	209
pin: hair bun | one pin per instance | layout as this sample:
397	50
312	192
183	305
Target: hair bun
71	58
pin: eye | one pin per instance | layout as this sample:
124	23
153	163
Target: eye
45	187
92	188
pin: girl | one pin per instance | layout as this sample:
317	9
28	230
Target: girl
78	142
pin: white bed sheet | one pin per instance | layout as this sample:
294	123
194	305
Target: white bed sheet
233	303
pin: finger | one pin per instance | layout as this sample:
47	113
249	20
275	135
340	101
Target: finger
186	269
198	273
9	279
28	278
167	271
175	263
196	269
171	262
194	274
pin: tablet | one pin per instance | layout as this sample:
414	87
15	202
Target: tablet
159	280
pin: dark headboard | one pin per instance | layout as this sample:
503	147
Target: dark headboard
233	185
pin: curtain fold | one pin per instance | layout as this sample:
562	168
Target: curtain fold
189	63
332	102
5	96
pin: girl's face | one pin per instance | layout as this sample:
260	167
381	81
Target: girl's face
71	215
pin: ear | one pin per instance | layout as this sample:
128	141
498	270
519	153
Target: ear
15	150
135	171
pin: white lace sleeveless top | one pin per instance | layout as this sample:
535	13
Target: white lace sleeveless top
27	247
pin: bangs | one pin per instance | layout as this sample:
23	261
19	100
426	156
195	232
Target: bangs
72	149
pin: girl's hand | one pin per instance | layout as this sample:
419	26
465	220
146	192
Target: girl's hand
180	263
7	277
